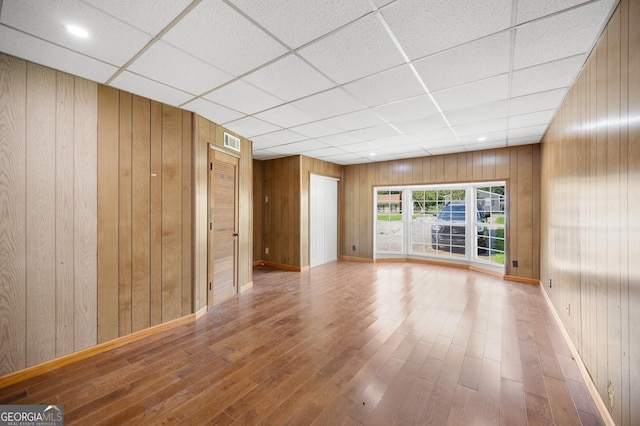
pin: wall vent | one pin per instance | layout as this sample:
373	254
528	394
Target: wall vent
231	142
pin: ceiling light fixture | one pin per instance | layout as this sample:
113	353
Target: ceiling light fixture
482	139
372	154
77	31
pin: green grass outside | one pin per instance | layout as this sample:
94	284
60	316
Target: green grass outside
389	217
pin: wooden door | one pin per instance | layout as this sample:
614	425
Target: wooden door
223	227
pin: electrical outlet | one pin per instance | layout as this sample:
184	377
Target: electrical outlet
550	283
266	250
353	248
515	263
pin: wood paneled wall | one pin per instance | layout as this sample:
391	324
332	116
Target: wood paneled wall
208	134
308	166
519	166
144	213
48	242
591	210
258	211
282	212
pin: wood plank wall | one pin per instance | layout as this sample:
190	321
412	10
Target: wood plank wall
144	214
258	212
207	133
590	208
48	204
519	166
308	166
282	212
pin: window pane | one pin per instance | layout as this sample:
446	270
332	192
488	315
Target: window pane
389	225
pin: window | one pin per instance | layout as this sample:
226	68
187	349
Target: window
463	222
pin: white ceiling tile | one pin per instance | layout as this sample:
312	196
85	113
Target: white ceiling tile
485	145
419	106
280	137
526	140
375	132
480	128
136	13
528	10
355	51
325	152
243	97
173	67
144	87
471	94
219	35
362	147
537	102
35	50
422	125
250	127
549	76
424	27
356	120
559	36
523	132
297	147
110	39
214	112
340	139
345	159
478	113
263	154
297	22
385	87
439	143
317	129
329	104
484	137
289	78
448	150
531	119
476	60
286	116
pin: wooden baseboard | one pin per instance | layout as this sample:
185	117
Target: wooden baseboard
281	266
521	279
201	312
258	262
593	390
36	370
357	259
246	287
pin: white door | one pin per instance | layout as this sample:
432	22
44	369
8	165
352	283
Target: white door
323	221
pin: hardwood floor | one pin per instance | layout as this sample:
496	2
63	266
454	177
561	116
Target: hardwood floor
344	343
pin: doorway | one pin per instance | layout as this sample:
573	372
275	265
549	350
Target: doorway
323	220
222	268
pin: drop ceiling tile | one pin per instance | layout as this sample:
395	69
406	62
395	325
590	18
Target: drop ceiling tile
528	10
419	106
421	125
479	92
375	132
537	102
526	140
299	147
448	150
328	104
250	127
549	76
523	132
472	61
219	35
110	39
388	86
531	119
435	135
243	97
214	112
480	128
264	154
173	67
559	36
485	145
340	139
346	159
38	51
297	22
485	137
355	51
151	89
317	129
361	147
478	113
325	152
286	116
281	137
425	27
136	13
289	78
440	143
356	120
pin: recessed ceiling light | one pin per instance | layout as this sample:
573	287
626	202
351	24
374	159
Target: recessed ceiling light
77	31
372	154
482	139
